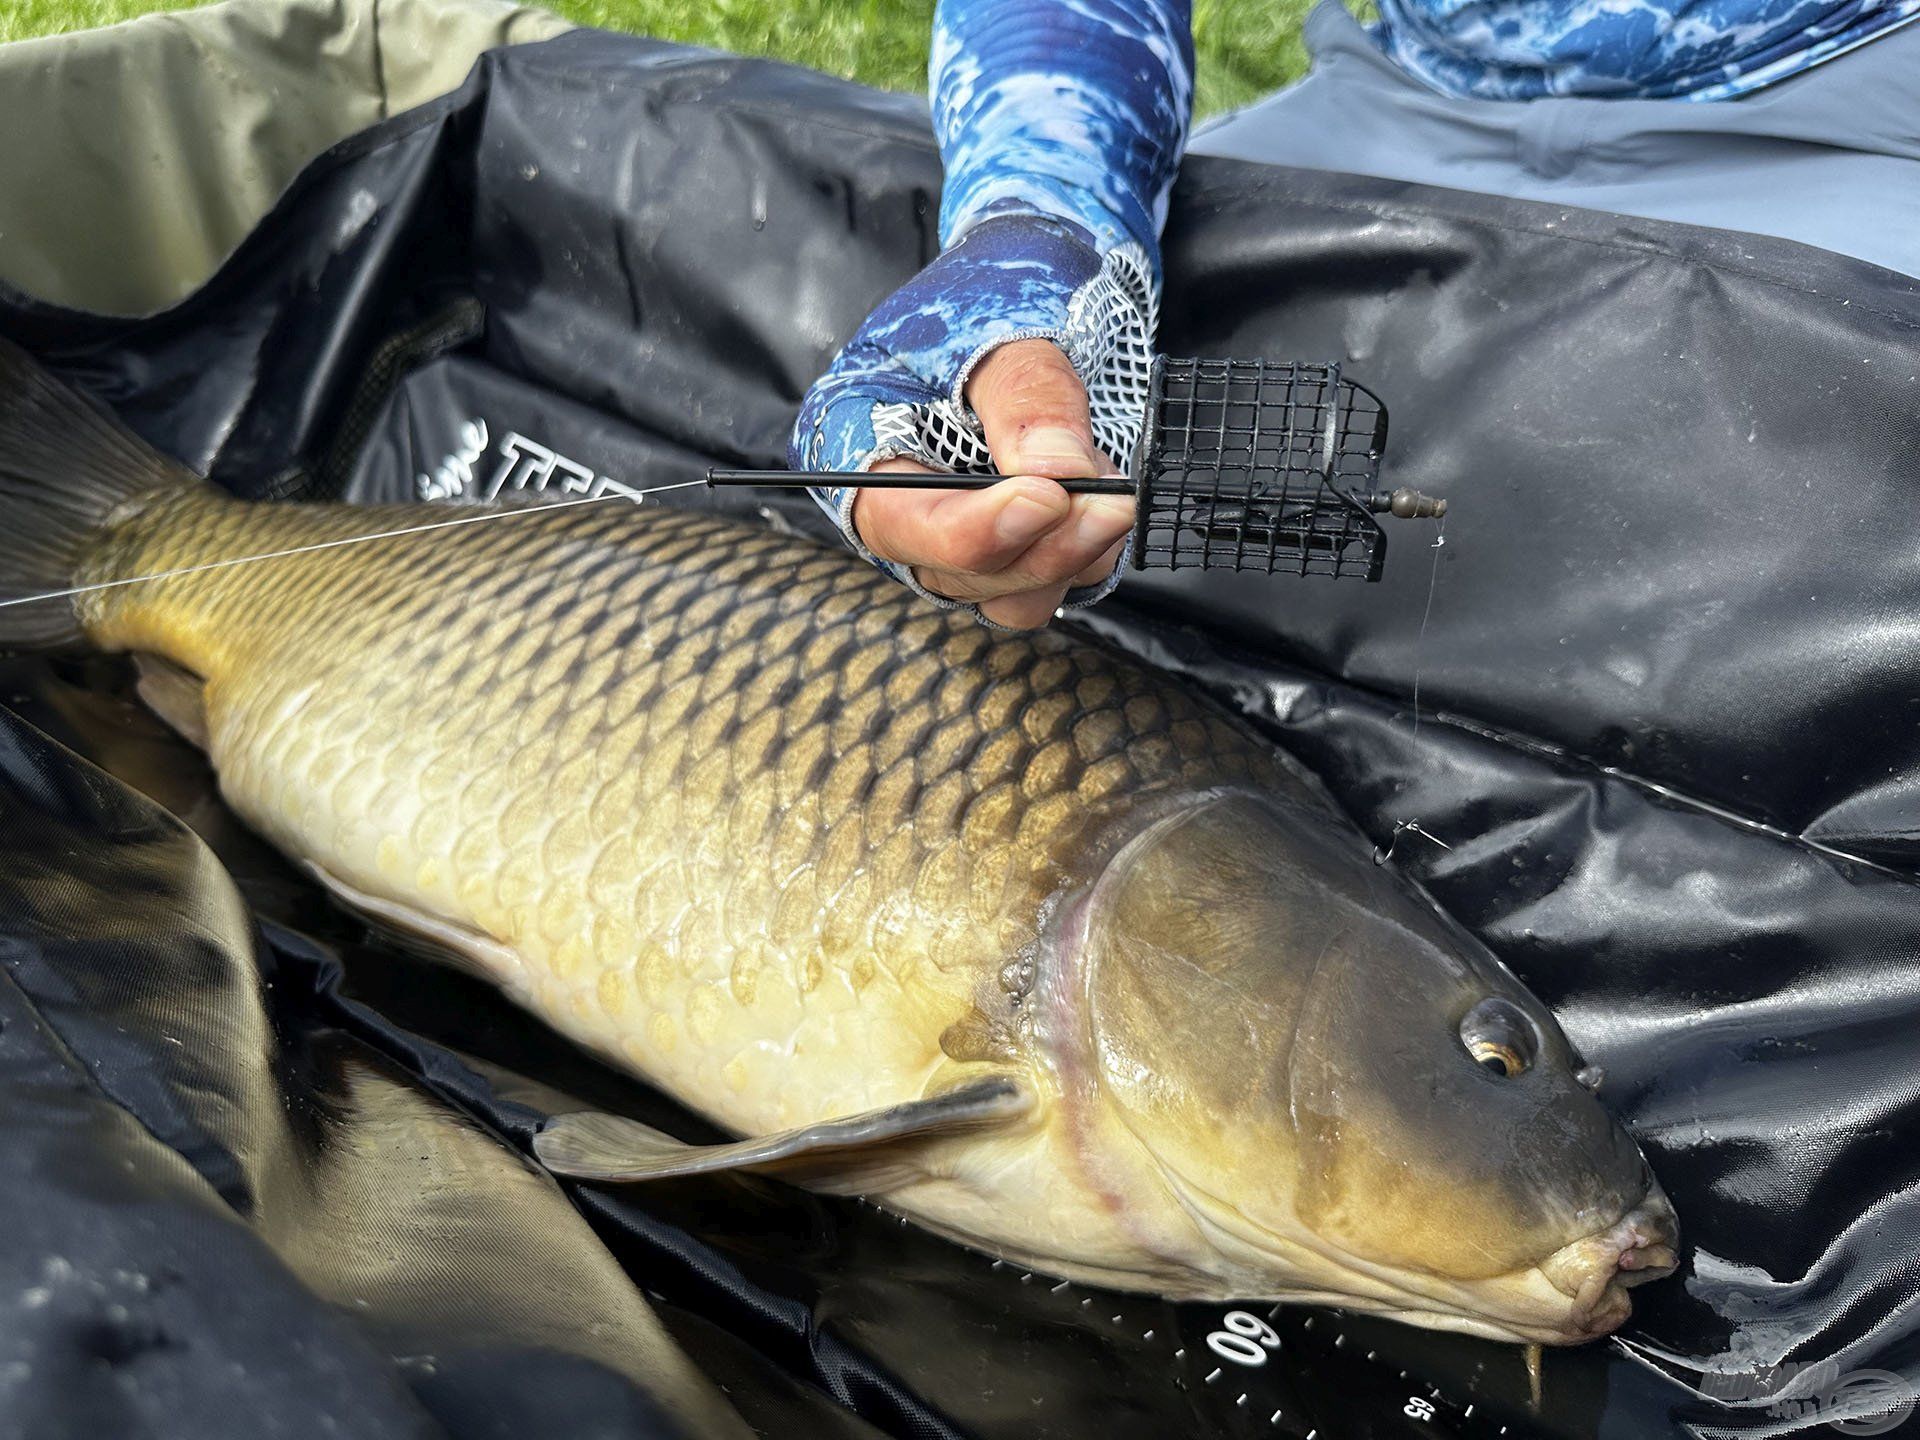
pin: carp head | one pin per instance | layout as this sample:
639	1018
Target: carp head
1351	1101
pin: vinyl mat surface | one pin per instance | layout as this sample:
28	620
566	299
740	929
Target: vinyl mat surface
267	1174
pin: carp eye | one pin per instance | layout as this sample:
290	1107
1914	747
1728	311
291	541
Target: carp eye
1499	1037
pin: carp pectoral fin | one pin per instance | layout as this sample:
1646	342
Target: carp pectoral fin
866	1152
426	936
176	695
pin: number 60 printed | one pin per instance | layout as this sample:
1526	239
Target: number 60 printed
1245	1341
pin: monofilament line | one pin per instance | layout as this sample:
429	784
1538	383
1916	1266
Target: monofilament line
349	540
1413	827
1420	641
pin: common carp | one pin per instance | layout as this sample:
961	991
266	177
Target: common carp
1006	931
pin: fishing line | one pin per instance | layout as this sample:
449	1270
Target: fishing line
1420	641
508	514
1413	826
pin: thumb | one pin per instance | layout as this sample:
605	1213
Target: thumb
1034	409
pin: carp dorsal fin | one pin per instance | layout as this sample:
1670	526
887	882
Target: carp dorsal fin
852	1154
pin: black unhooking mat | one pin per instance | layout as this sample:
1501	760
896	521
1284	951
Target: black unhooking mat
265	1177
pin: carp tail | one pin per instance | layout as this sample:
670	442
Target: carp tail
66	466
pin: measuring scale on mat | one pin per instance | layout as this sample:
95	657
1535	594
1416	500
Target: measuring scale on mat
1257	1369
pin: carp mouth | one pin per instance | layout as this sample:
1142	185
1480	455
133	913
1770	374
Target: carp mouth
1596	1272
1575	1295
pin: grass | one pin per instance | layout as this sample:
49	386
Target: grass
1245	48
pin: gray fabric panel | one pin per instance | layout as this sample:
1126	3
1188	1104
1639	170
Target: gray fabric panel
152	148
1830	157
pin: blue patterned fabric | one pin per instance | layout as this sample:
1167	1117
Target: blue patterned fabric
1076	108
1644	49
1061	125
1009	276
1062	122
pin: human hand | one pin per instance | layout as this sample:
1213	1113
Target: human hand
1016	549
961	369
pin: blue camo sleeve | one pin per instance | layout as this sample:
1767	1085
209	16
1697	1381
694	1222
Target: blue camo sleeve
1705	50
1061	123
1077	109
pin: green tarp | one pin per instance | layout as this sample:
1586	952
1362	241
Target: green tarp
138	156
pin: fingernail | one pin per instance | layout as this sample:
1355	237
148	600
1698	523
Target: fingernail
1023	520
1038	447
1104	520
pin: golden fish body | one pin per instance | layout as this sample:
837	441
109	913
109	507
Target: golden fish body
730	808
1007	930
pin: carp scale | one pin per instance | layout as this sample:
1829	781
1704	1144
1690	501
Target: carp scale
1260	465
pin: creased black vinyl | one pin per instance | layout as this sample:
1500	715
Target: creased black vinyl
267	1176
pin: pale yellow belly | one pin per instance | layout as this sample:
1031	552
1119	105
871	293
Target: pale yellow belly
733	962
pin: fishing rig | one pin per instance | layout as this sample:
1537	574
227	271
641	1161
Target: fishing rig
1261	465
1257	465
